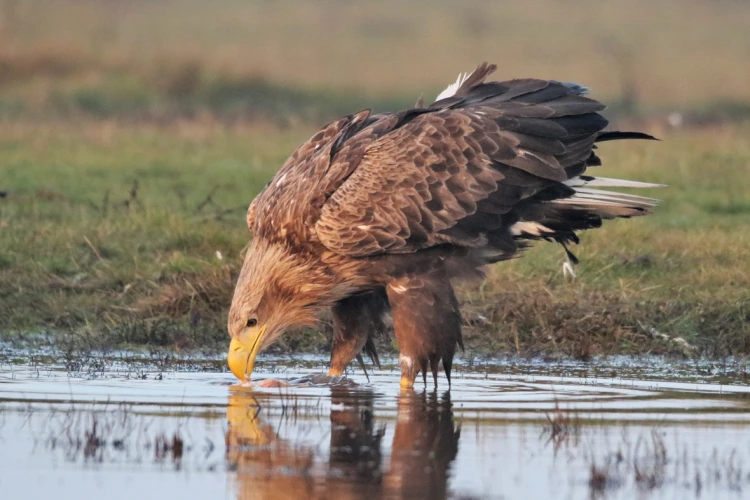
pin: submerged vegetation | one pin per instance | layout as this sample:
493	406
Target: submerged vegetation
110	433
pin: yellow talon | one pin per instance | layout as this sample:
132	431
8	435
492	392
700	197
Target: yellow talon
407	383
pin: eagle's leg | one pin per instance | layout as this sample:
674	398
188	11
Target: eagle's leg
427	324
356	320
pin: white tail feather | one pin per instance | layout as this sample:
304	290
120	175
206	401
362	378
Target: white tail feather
584	196
599	194
606	182
532	228
574	200
453	87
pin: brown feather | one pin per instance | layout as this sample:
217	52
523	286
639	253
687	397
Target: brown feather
414	199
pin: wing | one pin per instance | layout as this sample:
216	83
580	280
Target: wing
454	173
314	170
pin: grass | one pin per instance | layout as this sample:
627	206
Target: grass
683	271
133	235
133	135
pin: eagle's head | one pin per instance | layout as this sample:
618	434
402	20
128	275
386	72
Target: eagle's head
278	289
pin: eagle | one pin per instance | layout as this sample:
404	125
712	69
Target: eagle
384	212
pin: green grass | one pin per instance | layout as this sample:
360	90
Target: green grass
112	231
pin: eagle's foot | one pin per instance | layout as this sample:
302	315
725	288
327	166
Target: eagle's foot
409	370
356	321
427	324
412	366
407	383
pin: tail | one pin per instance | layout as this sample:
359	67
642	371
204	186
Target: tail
550	122
606	204
584	196
582	205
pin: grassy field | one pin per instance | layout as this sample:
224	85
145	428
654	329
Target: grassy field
134	58
132	234
134	134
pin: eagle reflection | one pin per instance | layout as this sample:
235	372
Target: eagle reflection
358	463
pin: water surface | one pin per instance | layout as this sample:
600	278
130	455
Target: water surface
515	429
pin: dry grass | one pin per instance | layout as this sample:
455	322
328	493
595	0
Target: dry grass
563	425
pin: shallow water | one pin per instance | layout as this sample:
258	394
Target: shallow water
510	429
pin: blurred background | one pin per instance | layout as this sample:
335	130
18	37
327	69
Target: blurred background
237	59
134	134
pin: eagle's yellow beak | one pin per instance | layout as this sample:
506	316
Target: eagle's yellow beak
241	358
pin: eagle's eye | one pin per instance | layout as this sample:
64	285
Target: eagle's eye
251	322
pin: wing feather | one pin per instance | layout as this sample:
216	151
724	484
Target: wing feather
451	173
466	168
